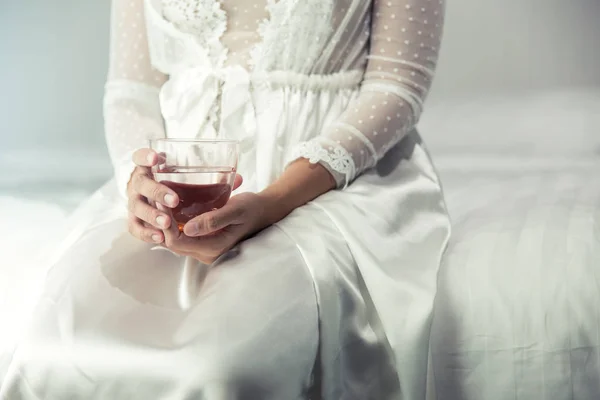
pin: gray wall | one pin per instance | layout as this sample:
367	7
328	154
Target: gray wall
54	60
52	71
518	45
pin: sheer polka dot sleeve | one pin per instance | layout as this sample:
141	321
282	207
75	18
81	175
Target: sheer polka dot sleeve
404	43
131	108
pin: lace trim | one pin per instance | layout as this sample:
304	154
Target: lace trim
259	51
288	20
205	19
336	156
199	23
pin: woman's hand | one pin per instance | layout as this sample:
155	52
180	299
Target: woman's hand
145	221
212	234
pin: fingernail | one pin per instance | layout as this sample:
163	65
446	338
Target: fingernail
156	238
150	158
170	200
191	229
162	221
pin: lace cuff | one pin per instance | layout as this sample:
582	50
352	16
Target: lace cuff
331	155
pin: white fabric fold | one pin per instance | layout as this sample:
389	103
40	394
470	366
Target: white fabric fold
195	99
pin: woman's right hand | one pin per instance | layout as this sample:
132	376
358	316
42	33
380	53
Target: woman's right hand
145	221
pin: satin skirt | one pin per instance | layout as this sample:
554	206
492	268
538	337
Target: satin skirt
333	302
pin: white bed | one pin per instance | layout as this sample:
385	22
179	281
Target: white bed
21	265
517	314
518	309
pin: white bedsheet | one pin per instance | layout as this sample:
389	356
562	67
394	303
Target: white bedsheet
518	309
517	314
21	271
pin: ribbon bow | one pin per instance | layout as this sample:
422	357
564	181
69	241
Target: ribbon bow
189	97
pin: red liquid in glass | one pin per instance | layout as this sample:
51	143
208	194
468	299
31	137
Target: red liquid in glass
195	199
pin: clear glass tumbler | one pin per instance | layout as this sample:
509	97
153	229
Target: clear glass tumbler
200	171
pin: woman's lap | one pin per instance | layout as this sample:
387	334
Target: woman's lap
117	317
129	318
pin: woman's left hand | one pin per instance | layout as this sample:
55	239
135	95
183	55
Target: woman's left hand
212	234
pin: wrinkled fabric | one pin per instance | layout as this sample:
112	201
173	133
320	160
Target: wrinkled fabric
517	307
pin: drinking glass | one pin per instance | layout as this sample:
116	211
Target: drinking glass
200	171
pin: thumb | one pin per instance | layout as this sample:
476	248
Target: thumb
237	181
145	158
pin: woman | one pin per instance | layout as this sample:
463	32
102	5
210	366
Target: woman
324	263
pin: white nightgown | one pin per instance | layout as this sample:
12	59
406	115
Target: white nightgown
332	302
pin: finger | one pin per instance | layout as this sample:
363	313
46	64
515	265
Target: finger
145	157
138	230
171	232
154	191
161	158
174	239
237	182
134	175
213	221
145	212
198	248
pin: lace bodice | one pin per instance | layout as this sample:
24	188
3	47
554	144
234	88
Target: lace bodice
394	43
